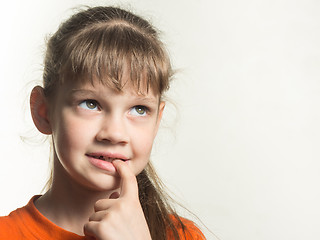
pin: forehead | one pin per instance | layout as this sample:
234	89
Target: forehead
113	56
98	87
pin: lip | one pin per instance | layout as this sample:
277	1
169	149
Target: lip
107	156
103	160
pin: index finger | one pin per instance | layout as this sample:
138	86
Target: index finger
129	185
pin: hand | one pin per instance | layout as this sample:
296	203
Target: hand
120	216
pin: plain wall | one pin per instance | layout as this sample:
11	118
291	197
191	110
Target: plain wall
241	148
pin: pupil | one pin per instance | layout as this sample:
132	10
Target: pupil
91	105
140	110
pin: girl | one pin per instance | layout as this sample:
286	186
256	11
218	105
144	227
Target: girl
105	72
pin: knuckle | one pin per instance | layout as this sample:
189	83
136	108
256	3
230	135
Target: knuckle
122	206
87	228
100	230
106	216
98	205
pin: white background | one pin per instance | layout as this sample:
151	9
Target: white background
241	148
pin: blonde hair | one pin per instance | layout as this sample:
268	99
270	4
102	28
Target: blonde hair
104	43
101	43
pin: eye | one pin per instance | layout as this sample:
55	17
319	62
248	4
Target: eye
139	111
89	104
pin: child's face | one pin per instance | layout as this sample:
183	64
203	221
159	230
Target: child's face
89	122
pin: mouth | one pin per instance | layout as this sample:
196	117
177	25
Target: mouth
106	158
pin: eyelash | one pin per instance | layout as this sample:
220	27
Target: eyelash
96	105
88	101
145	109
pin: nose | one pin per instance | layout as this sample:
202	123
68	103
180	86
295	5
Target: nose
112	130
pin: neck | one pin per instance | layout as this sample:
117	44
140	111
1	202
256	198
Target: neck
67	203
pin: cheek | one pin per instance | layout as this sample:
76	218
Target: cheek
69	135
142	141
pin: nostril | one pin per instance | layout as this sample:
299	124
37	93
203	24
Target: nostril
112	132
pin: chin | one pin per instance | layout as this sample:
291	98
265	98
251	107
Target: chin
105	184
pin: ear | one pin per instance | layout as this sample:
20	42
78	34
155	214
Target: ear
39	110
161	108
160	113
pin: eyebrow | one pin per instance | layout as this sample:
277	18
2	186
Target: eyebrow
92	92
81	91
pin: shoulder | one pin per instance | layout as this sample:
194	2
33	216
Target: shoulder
8	226
16	224
186	229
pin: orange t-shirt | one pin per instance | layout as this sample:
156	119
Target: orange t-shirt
27	223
